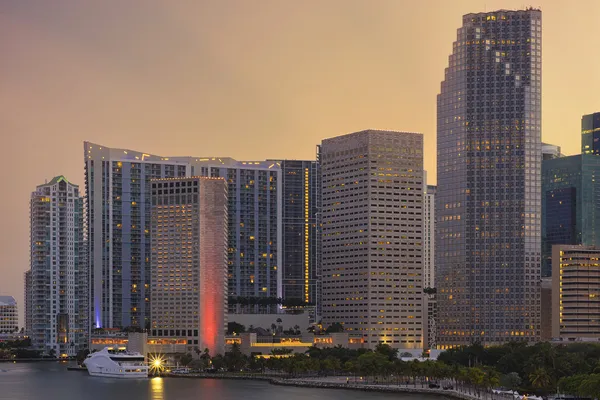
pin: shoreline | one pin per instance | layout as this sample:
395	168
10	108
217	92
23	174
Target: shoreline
317	384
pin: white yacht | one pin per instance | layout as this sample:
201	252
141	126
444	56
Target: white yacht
116	363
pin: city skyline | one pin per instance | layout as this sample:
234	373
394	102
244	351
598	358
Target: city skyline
108	105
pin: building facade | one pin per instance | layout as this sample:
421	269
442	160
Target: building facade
590	134
189	261
56	220
546	310
488	194
576	292
27	299
9	315
301	231
570	203
372	243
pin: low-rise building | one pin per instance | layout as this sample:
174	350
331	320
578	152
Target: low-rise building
576	292
9	315
253	344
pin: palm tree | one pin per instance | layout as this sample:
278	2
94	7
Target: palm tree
197	351
205	357
540	378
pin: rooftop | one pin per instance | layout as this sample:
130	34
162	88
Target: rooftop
7	301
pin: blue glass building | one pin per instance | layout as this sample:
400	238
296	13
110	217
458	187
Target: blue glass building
570	203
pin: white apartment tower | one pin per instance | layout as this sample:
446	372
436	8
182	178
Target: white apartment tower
56	220
372	241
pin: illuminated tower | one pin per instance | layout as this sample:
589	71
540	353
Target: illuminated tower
372	243
189	261
488	201
301	231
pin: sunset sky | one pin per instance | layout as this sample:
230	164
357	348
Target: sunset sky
250	79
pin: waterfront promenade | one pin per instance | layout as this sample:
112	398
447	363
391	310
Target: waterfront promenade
362	384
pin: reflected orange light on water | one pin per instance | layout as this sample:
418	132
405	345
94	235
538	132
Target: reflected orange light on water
156	389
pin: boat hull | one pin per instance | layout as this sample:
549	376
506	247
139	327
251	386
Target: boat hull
119	375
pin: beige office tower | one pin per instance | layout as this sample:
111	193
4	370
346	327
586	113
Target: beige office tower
575	292
189	262
372	216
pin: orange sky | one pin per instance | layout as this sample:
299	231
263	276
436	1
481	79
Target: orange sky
250	79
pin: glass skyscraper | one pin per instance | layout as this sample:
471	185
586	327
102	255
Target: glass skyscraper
590	134
570	203
488	202
301	230
118	206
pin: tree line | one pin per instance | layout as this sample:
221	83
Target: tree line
543	368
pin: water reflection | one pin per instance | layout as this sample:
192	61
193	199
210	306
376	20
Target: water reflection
157	389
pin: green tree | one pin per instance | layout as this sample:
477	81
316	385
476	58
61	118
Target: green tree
205	357
590	387
186	359
218	362
234	359
52	353
511	381
235	328
81	356
387	351
373	364
331	365
570	385
540	378
335	328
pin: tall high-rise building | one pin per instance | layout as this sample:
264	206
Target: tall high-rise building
372	244
575	292
301	195
590	134
429	236
27	299
56	219
488	202
189	261
118	219
9	314
570	203
118	216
